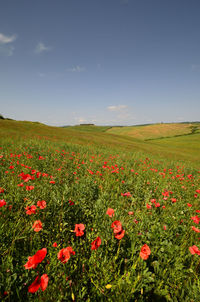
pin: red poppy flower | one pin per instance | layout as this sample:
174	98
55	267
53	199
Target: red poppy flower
29	188
65	254
128	194
117	226
54	244
34	286
194	250
145	252
173	200
117	229
39	283
2	203
120	235
1	190
196	219
41	204
71	203
110	212
195	229
34	260
37	226
96	244
30	210
79	228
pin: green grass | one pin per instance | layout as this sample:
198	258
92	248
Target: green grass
80	174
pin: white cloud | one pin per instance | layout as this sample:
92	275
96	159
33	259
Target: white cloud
7	39
117	108
5	48
42	48
82	120
76	68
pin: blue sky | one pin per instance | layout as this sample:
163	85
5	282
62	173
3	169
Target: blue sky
109	62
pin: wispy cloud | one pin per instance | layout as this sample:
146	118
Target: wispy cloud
77	68
117	108
7	39
41	47
5	48
122	113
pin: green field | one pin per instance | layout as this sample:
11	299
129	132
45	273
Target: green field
177	147
88	215
155	131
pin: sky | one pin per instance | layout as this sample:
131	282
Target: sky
107	62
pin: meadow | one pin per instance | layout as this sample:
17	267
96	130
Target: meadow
90	215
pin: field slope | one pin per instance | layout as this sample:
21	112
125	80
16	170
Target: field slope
186	148
87	215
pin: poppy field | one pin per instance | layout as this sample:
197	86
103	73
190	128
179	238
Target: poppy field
89	222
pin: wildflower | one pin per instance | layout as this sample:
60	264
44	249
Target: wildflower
173	200
54	244
41	204
128	194
30	210
65	254
196	219
194	250
39	283
110	212
79	228
37	226
108	286
71	203
1	190
2	203
117	229
29	188
145	252
34	260
96	244
195	229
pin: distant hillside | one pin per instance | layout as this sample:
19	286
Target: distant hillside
183	145
157	131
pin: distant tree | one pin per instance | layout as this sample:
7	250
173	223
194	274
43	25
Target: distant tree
1	117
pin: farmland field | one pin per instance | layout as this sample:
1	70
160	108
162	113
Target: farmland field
90	215
155	131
